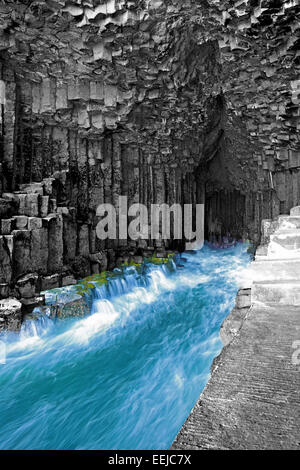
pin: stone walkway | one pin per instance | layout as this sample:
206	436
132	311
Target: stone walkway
252	400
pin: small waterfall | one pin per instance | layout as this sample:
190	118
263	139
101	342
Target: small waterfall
159	280
37	324
126	374
126	283
100	292
103	314
130	285
117	287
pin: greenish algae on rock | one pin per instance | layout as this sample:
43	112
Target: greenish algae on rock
74	300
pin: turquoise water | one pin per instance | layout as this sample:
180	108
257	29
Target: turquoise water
127	376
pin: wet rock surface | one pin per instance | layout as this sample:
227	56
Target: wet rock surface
251	399
233	323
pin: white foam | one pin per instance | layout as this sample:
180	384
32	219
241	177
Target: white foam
106	315
29	344
160	282
179	380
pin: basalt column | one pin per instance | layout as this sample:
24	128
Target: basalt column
174	101
97	101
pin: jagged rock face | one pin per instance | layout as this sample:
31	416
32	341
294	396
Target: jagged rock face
162	101
10	315
259	48
103	81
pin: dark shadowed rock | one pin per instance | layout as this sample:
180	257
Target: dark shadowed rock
8	208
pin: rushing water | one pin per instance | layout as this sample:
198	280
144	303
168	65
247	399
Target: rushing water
127	376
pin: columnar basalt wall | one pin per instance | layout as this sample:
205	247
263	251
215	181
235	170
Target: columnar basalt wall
259	50
98	100
172	101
